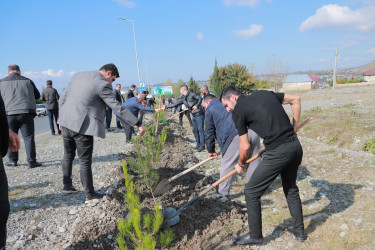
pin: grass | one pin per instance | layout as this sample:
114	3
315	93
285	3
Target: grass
369	146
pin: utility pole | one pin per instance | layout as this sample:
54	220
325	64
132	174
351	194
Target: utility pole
334	72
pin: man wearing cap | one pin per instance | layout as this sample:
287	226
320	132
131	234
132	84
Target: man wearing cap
19	94
50	96
82	108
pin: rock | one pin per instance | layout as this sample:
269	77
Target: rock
290	244
275	210
238	222
279	239
73	211
109	237
11	239
62	230
342	234
344	227
102	215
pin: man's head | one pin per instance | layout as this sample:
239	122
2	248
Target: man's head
14	68
204	90
206	100
118	87
109	72
132	88
141	97
49	83
184	90
229	97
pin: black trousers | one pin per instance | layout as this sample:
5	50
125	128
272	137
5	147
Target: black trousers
25	123
53	114
283	160
108	117
4	205
128	130
181	115
84	144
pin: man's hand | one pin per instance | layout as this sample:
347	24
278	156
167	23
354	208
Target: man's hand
163	107
296	125
142	130
212	155
106	108
238	168
14	141
157	110
194	108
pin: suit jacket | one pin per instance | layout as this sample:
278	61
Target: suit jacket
82	104
118	96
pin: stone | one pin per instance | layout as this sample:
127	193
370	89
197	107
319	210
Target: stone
290	244
275	210
73	211
279	239
342	234
109	236
62	230
344	227
102	215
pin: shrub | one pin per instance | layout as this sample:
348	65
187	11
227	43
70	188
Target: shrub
332	139
369	146
141	235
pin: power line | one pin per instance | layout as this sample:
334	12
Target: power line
357	55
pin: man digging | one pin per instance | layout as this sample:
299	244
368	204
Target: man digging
219	125
262	111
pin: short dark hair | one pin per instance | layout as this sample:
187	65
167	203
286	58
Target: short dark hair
184	86
13	67
230	90
133	86
208	97
111	67
118	84
49	83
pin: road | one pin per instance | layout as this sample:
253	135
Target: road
42	131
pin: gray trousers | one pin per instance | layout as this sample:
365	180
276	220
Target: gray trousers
231	156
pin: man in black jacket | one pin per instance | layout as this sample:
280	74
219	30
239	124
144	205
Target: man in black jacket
119	98
50	96
19	94
193	102
8	140
131	92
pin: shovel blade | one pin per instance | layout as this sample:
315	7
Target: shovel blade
162	187
171	217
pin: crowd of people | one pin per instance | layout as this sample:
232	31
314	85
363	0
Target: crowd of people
233	120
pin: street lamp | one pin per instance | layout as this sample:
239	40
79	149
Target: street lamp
146	71
135	44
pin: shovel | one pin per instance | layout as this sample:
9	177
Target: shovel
171	215
165	184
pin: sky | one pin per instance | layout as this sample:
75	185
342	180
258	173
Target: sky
181	38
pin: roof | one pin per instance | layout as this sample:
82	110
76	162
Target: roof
369	73
298	78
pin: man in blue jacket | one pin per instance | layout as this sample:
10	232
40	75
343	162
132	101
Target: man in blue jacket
219	125
134	105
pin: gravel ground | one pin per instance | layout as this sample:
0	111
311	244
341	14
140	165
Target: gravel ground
336	190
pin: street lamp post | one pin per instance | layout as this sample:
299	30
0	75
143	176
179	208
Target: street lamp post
135	45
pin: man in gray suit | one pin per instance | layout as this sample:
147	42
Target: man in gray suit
82	111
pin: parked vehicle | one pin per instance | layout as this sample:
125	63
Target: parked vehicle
41	110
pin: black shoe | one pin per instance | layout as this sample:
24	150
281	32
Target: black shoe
10	163
59	132
246	240
93	196
200	149
298	236
196	147
35	164
69	189
52	133
109	130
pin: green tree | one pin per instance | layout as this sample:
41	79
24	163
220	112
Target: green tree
215	83
237	75
193	86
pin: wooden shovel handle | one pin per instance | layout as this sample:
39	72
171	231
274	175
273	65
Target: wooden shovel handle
157	121
190	169
233	172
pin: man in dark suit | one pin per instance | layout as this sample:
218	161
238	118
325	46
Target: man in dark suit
50	96
82	108
8	140
119	98
131	92
19	94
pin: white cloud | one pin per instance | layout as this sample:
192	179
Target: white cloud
252	31
371	50
200	36
71	73
336	16
49	73
126	3
242	3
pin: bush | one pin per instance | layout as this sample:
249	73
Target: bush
369	146
141	235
